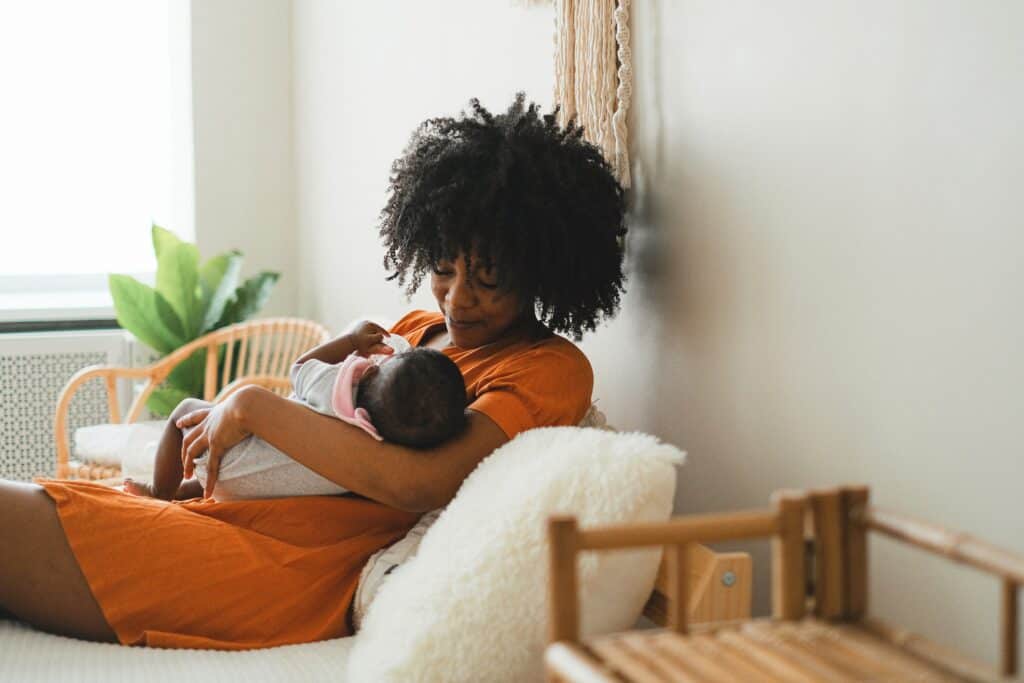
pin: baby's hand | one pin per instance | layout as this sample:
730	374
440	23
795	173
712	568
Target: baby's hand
368	338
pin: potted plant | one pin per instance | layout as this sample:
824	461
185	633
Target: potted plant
188	301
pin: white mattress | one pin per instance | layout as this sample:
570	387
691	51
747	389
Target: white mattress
30	656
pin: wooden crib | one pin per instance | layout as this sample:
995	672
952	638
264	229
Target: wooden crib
819	630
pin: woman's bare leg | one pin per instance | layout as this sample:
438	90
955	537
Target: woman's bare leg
40	580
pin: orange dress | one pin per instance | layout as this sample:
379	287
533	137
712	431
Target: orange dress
258	573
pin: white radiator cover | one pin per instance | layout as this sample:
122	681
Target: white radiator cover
34	367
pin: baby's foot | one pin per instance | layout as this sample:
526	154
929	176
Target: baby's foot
138	488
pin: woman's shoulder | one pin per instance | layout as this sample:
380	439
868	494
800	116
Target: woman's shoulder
544	382
551	354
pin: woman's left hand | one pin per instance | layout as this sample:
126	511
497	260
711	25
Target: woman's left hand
217	429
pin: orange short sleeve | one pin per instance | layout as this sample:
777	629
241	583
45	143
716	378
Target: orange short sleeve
414	323
547	385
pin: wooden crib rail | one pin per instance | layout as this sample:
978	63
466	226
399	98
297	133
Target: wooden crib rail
841	518
956	546
256	352
964	549
784	524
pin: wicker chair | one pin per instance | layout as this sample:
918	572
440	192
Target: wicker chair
265	352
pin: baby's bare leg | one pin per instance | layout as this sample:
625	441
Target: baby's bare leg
167	468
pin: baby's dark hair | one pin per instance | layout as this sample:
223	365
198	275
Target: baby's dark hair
532	198
417	398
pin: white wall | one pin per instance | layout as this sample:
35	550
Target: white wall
838	187
366	74
241	107
834	190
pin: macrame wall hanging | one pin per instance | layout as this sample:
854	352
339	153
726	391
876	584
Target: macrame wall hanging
594	73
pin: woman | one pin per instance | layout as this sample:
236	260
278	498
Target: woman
519	225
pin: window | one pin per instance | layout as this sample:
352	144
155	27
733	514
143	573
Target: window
95	130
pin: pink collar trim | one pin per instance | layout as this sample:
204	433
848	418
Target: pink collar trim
343	396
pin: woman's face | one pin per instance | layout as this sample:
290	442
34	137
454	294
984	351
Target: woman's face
475	311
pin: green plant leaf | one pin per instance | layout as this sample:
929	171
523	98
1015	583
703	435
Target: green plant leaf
218	279
185	380
177	280
189	374
162	238
169	318
138	311
249	298
165	399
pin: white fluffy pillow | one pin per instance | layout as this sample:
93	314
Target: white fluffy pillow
109	444
472	604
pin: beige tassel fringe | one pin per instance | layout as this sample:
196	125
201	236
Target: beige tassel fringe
594	73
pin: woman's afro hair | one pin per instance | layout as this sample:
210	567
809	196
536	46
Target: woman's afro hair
530	198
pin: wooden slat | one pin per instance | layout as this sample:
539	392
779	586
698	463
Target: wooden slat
113	409
928	652
828	650
733	662
690	529
829	563
266	350
669	667
869	653
277	359
570	662
875	658
809	661
631	663
678	593
291	351
229	352
789	573
855	500
1008	629
210	376
690	660
767	657
255	349
243	356
563	540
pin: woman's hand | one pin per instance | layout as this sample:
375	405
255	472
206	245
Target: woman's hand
368	339
217	429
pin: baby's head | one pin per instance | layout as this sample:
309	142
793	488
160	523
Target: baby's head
415	398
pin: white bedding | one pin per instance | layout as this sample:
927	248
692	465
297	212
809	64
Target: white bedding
30	656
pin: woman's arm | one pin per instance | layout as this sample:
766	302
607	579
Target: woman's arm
416	480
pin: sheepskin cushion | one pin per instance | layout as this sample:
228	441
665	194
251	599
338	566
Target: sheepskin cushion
472	604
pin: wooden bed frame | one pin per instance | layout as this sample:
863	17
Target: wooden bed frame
820	629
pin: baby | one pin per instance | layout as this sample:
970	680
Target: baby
413	397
